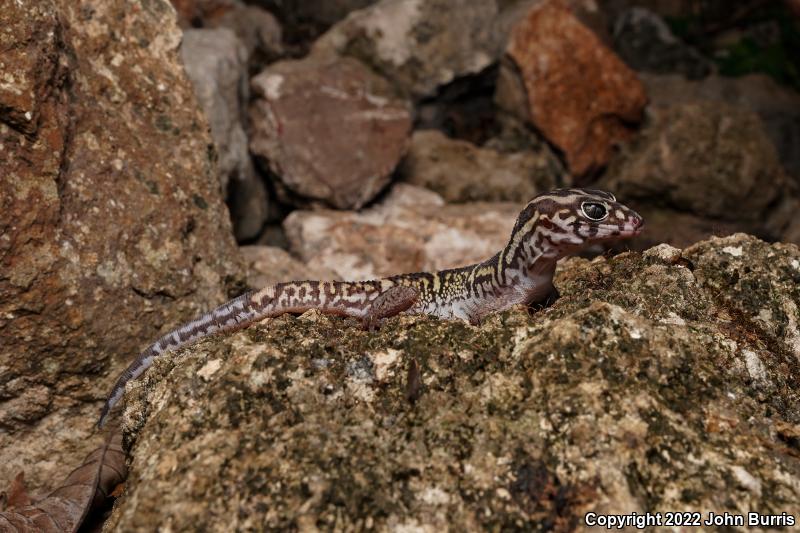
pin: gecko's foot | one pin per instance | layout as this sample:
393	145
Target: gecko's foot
389	303
546	302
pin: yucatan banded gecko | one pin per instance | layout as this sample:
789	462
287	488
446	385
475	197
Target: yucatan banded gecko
551	226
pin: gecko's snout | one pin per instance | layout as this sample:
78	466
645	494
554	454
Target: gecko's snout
637	222
632	227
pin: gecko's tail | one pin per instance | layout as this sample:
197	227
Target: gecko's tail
229	316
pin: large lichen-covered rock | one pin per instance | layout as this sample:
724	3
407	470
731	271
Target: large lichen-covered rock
661	381
111	222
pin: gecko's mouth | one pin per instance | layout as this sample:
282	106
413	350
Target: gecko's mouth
630	228
635	226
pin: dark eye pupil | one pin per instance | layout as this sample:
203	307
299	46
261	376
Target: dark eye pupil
594	211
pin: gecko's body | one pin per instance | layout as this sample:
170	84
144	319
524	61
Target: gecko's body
551	226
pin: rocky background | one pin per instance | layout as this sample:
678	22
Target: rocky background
157	158
686	109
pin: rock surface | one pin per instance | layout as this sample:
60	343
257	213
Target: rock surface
422	45
258	30
777	106
306	19
574	89
268	265
410	231
330	130
665	381
111	222
461	172
216	62
197	13
645	42
712	161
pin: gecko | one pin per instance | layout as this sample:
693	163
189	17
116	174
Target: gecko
551	226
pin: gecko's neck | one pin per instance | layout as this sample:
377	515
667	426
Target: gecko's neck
532	251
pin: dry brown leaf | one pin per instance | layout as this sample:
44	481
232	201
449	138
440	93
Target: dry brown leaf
86	488
17	495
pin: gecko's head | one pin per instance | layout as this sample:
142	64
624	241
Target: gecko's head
568	219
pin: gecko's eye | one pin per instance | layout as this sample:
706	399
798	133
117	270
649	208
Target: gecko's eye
594	211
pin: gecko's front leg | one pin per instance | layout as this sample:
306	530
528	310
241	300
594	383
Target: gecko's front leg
389	303
549	299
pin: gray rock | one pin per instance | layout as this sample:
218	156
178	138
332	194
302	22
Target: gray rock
258	30
305	20
462	172
710	162
248	202
216	62
331	131
645	43
422	45
411	230
268	265
778	106
647	386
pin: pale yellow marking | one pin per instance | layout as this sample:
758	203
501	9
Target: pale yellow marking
307	286
561	200
323	297
486	271
518	235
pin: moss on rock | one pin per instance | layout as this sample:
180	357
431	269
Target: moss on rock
660	381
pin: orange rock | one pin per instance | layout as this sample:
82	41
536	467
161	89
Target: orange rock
579	93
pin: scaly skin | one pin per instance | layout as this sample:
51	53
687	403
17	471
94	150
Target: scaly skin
551	226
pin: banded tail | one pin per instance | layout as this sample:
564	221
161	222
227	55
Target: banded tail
341	298
227	317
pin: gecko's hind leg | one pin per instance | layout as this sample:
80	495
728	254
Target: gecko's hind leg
390	302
